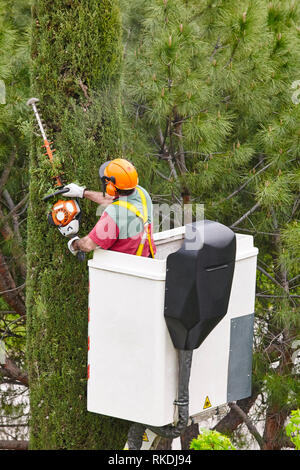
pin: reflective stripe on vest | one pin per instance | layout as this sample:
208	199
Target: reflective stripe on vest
144	217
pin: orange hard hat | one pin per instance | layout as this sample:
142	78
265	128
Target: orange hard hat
118	174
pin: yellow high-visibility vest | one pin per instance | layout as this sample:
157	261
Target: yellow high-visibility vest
143	217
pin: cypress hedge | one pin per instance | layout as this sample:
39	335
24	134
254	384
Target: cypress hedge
75	73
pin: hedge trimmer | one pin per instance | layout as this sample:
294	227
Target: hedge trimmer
65	214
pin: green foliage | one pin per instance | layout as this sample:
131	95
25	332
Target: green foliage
203	82
75	73
211	440
293	428
207	93
14	71
207	113
291	251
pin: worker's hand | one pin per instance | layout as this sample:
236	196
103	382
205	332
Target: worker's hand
74	190
105	200
70	242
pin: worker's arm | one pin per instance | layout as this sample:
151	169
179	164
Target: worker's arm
104	235
98	197
81	192
85	244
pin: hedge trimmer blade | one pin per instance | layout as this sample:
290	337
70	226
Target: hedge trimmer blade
65	215
47	145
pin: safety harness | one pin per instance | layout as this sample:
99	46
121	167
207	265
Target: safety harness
143	217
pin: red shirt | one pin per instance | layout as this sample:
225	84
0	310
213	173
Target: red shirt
118	229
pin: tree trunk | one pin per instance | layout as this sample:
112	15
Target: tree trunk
13	445
76	61
232	420
274	428
190	433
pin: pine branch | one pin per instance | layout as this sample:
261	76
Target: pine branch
15	425
257	232
263	271
271	296
8	289
232	54
164	150
295	208
246	182
7	234
161	174
6	171
5	229
216	48
163	138
84	89
12	371
181	162
232	420
249	212
15	217
13	211
294	278
252	429
14	289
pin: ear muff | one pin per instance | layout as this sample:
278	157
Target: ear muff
111	189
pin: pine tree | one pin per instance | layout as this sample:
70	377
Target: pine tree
76	63
14	76
208	99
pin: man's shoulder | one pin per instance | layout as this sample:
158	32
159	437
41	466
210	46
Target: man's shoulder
110	210
118	213
143	189
148	197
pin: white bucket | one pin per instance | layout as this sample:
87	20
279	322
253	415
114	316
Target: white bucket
132	361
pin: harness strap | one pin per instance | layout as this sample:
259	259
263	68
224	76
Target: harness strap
143	217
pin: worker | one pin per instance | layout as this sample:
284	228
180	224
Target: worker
126	223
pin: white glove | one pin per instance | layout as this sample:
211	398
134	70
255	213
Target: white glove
74	252
74	190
